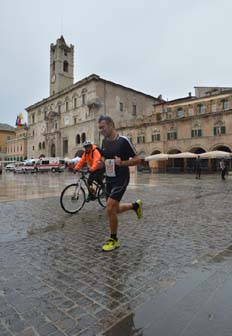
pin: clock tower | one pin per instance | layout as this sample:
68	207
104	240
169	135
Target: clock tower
61	65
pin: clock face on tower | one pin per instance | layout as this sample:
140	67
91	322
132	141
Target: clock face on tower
53	78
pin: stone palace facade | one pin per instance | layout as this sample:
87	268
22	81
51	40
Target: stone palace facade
59	124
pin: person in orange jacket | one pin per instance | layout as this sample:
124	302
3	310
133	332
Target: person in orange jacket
92	157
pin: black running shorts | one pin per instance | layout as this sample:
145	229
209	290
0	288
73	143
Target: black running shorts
116	187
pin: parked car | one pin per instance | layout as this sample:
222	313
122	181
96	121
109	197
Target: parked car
10	167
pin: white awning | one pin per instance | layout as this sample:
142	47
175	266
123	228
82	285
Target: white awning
183	155
157	157
215	155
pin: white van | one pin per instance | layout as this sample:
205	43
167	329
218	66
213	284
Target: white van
27	166
50	164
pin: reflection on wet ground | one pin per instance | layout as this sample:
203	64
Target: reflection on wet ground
29	186
199	304
171	266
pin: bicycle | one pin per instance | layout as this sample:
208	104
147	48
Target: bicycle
74	196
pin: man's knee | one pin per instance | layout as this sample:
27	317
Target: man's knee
112	207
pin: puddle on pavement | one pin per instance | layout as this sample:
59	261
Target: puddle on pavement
143	318
25	233
68	219
125	327
140	321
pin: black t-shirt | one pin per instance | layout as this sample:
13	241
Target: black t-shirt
121	147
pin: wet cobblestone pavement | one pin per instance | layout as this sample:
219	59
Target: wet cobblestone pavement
54	278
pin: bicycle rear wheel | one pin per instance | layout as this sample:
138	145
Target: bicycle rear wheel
72	198
101	196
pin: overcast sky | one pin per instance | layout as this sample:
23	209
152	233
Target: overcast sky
155	46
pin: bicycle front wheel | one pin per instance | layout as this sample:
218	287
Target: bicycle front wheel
72	198
101	196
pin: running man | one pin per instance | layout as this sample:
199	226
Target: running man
118	154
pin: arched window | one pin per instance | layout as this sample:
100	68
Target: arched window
78	139
141	138
40	145
201	108
196	132
75	102
219	128
83	98
66	106
155	135
65	66
225	104
172	134
59	107
83	137
179	112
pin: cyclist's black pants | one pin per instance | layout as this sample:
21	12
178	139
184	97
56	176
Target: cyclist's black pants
97	176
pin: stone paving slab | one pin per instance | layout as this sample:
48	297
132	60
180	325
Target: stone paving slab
57	281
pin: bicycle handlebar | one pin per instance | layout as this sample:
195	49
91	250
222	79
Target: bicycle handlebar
83	171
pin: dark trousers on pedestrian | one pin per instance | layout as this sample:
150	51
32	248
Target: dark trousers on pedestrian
198	173
223	173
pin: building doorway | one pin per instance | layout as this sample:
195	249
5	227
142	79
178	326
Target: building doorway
53	150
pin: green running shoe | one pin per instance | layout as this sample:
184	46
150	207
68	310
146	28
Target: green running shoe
139	210
110	245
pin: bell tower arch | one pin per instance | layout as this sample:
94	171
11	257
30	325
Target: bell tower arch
61	65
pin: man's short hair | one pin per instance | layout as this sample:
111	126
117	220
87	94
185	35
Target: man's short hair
106	118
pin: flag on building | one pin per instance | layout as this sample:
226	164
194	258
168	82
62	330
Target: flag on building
19	120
